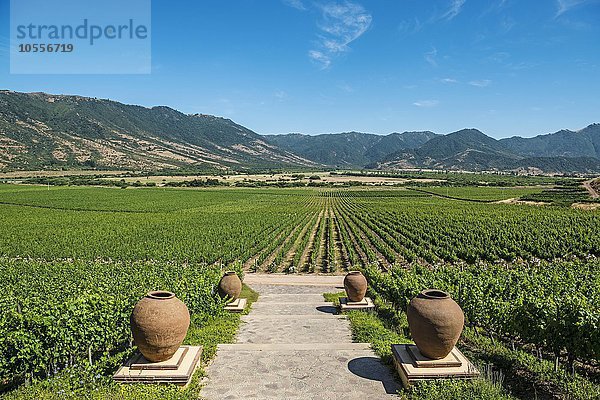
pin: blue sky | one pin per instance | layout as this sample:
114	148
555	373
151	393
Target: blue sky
507	67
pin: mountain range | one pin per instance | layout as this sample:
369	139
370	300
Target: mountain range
468	149
39	130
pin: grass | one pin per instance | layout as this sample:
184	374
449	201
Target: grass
95	383
334	297
250	295
527	373
478	389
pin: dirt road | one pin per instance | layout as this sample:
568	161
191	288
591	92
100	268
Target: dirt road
591	189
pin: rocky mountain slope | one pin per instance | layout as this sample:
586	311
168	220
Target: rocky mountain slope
349	149
39	130
564	143
44	131
467	149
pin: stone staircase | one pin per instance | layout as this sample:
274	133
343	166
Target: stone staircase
293	346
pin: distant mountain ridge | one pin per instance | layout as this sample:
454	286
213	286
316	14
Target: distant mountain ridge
348	149
468	149
564	143
44	131
39	130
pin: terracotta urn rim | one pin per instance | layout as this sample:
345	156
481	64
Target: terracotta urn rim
160	295
435	294
354	273
230	273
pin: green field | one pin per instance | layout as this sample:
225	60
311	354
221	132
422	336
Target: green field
74	257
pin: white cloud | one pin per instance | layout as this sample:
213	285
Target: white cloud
341	24
430	57
410	27
297	4
507	24
345	87
280	95
565	5
426	103
449	80
480	82
455	9
320	58
499	57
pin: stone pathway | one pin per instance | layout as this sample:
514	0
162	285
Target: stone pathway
293	346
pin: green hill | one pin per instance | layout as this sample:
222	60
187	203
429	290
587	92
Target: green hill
472	150
349	149
564	143
39	130
44	131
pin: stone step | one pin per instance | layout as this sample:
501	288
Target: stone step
287	308
293	346
346	371
293	280
247	318
294	329
295	289
292	298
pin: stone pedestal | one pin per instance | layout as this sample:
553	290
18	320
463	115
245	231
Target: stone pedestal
413	367
365	305
236	306
178	370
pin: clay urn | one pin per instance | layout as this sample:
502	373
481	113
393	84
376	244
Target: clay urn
356	286
435	322
159	323
230	285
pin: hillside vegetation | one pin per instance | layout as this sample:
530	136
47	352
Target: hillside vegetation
44	131
39	130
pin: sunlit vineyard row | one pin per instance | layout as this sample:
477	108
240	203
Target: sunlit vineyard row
281	230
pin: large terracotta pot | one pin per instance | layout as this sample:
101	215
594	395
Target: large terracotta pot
230	285
356	286
435	322
159	323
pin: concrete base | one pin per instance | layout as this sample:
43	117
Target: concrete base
365	305
413	367
178	370
236	306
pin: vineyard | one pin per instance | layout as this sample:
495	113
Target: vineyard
58	314
552	306
288	230
73	257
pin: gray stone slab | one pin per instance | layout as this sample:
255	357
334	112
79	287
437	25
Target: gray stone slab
293	346
247	318
295	289
294	279
298	374
294	329
292	298
286	308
